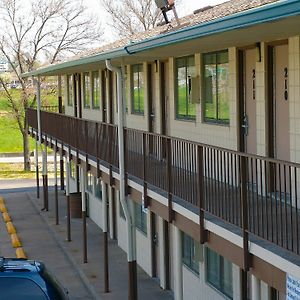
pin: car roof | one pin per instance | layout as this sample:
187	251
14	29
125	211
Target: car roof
17	264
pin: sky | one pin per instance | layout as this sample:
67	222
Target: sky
186	7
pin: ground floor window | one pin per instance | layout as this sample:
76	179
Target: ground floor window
72	170
98	189
89	182
140	218
190	253
219	272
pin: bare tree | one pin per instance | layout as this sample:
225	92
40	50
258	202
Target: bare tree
44	30
131	16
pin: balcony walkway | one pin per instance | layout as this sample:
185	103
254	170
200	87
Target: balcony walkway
32	225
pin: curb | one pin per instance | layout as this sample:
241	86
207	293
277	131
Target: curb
74	264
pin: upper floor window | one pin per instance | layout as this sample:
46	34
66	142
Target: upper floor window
185	71
190	253
96	90
70	93
140	218
86	90
215	87
219	273
138	90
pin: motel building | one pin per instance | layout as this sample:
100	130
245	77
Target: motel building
183	144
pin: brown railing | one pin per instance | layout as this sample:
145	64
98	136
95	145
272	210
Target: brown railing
259	195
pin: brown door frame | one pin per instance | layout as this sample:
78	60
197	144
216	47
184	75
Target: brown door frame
79	96
163	98
150	98
74	76
241	99
103	96
166	236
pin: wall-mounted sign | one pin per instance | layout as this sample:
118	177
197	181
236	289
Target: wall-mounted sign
292	288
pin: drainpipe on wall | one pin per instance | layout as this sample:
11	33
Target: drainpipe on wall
131	251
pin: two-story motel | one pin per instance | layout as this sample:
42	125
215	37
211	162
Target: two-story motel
206	164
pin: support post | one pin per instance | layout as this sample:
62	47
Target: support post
55	184
83	208
45	177
177	246
61	169
244	218
105	237
36	156
131	251
68	202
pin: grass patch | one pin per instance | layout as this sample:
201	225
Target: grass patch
11	140
15	171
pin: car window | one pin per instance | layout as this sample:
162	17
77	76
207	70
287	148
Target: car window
20	289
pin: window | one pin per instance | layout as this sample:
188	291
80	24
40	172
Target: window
185	70
89	184
138	90
219	272
98	189
96	90
72	170
140	218
86	90
122	214
70	90
215	87
190	253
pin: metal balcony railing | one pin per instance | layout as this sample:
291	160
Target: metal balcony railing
259	195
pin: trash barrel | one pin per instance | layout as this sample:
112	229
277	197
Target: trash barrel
75	205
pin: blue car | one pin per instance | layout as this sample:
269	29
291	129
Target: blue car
22	279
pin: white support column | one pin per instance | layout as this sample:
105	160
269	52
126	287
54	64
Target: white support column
162	258
177	250
255	288
104	206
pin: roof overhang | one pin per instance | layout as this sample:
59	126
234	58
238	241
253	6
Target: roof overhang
271	21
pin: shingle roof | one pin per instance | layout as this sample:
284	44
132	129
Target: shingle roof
216	12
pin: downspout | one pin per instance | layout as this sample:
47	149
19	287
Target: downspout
131	253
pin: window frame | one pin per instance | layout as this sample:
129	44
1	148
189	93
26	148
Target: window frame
141	99
187	116
216	120
89	182
86	90
221	274
94	92
190	259
140	218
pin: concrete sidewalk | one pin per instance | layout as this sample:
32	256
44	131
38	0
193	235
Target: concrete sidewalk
20	159
44	240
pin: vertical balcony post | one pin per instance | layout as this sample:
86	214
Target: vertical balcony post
55	184
146	202
83	208
61	169
36	154
201	194
169	178
105	237
68	201
244	220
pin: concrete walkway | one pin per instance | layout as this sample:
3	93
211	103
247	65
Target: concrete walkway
44	240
